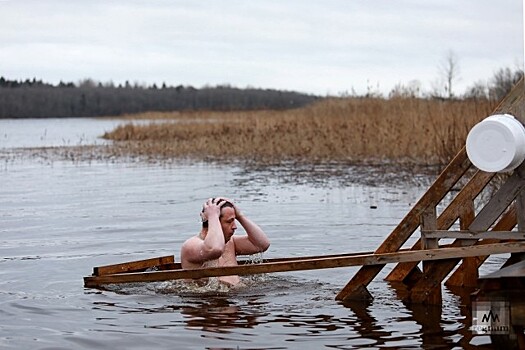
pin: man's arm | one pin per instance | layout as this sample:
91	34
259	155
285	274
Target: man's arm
198	251
254	242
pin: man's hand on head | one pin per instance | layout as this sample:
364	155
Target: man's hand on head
211	208
235	207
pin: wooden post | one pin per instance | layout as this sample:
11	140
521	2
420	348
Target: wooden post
468	275
428	223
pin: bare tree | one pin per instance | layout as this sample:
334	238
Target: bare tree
449	72
503	81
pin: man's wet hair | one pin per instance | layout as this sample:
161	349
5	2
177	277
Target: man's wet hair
225	204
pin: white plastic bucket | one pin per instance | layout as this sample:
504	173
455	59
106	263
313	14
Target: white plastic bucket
497	143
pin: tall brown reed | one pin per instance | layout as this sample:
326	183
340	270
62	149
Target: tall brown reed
402	130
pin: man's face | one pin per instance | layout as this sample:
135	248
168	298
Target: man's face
228	222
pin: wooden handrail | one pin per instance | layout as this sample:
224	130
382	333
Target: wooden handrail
357	259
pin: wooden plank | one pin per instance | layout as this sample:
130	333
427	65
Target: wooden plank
465	234
452	212
167	263
498	203
132	265
515	271
520	212
313	264
441	186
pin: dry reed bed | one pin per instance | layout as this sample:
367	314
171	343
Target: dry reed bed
404	130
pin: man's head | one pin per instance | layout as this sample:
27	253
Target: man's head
226	219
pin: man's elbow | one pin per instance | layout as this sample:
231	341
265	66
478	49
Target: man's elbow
213	253
264	246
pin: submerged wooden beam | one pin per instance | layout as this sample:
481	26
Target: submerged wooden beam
310	264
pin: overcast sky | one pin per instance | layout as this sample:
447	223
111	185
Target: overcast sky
321	47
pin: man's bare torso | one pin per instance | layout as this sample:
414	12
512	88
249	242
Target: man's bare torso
228	258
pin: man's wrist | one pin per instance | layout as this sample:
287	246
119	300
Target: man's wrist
213	216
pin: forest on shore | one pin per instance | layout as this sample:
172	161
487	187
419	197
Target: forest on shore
36	99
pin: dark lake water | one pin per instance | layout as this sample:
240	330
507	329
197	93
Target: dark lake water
59	218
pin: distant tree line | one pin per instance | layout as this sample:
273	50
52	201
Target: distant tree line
35	98
494	89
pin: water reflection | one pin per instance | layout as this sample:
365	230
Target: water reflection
294	309
286	310
445	326
220	315
238	317
366	325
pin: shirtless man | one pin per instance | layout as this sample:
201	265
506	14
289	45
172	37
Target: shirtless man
216	244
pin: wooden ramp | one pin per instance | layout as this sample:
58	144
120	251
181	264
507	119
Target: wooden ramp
482	232
493	223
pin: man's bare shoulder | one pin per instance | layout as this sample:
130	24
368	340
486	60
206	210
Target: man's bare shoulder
190	252
191	242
